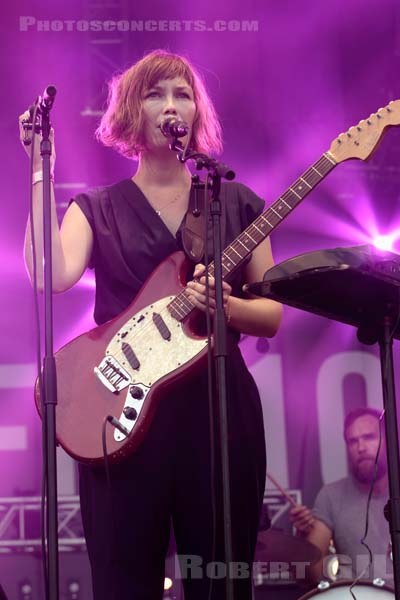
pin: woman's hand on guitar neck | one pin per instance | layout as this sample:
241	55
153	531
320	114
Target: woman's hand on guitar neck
196	290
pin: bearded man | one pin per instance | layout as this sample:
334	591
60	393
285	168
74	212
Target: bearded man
340	508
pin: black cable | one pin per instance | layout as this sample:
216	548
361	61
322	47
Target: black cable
371	489
110	498
105	454
362	541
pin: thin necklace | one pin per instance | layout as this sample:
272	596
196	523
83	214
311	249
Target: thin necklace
160	210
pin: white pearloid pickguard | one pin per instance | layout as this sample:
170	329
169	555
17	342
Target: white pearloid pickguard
157	357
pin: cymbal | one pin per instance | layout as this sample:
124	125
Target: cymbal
275	545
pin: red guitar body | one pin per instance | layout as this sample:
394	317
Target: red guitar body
84	401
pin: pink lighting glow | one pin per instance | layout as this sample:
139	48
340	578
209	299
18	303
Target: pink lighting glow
285	91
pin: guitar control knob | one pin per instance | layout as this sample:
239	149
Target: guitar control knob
136	392
130	413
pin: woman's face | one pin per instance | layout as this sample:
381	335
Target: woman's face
167	97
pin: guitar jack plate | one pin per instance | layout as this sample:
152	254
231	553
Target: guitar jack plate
133	405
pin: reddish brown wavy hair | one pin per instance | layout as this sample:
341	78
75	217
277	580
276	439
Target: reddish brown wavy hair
121	126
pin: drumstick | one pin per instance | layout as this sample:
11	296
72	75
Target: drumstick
282	491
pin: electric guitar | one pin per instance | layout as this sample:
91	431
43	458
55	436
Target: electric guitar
123	368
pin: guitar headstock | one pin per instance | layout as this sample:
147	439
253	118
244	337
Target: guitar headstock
361	140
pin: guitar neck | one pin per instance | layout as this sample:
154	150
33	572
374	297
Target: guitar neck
261	228
237	252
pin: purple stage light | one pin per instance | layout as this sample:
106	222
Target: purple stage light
384	242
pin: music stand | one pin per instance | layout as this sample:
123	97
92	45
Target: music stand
359	286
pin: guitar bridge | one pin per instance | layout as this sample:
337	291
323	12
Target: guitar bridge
114	377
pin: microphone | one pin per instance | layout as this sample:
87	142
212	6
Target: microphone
173	127
47	100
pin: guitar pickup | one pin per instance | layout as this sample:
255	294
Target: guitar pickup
161	326
130	355
112	375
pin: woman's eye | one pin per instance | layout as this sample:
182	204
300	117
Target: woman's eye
152	94
183	95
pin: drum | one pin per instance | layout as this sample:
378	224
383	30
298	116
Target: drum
364	590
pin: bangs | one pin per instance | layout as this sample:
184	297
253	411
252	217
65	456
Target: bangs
165	67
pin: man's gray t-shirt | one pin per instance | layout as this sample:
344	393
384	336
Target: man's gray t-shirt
342	507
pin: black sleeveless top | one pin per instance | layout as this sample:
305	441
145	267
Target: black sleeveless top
130	239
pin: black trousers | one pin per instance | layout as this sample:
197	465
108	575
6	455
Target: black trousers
169	479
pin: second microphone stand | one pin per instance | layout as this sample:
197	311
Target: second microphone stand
47	380
216	171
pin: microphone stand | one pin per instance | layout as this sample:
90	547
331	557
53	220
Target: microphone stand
392	445
218	170
382	332
49	391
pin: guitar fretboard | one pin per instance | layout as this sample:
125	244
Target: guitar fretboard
232	257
